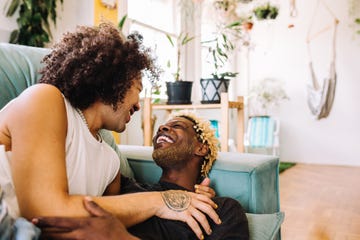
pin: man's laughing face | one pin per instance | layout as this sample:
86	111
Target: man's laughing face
174	143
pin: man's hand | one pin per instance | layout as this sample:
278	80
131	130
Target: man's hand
101	226
189	207
205	189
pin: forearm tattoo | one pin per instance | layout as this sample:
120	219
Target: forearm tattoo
176	200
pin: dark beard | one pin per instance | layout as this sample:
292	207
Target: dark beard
174	156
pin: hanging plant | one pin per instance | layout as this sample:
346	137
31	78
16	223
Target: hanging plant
266	11
33	21
357	21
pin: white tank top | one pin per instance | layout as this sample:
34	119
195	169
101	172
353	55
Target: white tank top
91	165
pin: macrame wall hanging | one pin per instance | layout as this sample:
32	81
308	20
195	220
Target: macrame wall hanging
321	94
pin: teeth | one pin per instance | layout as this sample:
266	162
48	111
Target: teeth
162	139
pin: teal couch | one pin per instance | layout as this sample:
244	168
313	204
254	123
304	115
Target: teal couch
251	179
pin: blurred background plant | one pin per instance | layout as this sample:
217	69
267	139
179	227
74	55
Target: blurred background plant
33	21
181	40
266	11
265	96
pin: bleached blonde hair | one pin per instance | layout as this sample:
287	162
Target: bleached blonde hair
205	134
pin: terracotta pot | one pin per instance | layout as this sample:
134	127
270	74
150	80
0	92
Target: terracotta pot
247	25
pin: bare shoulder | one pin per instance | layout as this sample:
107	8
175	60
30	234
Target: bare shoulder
38	97
40	108
36	104
41	91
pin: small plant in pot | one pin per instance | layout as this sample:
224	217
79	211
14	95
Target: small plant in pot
219	50
178	90
266	11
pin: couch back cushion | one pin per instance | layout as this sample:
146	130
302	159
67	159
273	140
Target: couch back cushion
19	69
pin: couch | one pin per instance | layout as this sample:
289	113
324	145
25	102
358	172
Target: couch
251	179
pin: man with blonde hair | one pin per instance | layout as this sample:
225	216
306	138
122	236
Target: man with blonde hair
185	147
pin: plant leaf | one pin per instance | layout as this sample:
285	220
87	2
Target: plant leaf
122	22
12	8
14	36
170	40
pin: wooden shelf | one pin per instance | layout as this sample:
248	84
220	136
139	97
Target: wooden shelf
224	107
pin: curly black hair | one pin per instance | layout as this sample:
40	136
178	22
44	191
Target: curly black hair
97	63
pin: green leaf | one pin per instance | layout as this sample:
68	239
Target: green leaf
233	24
14	36
186	39
122	22
12	8
170	40
28	4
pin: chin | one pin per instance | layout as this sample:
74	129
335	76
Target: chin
121	129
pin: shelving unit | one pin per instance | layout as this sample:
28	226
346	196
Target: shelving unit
224	107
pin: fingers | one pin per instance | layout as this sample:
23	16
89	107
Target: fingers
199	208
94	209
62	224
205	189
57	235
205	182
194	225
205	205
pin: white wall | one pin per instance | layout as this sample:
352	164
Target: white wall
280	52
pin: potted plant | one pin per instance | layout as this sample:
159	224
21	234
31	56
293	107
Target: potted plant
33	21
266	11
178	90
220	49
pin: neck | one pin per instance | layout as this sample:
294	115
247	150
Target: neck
89	120
184	178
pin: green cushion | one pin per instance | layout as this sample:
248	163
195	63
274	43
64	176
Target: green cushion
264	226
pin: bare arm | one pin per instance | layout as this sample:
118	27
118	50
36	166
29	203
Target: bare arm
37	123
102	225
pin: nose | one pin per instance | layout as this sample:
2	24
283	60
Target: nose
163	128
135	108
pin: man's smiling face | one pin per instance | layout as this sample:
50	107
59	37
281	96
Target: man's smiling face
174	143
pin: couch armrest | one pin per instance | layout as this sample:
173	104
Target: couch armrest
252	179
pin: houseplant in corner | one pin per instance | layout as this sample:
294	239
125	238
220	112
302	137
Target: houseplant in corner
33	21
178	90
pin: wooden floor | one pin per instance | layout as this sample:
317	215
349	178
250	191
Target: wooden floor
320	202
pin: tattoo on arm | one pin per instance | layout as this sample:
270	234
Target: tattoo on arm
176	200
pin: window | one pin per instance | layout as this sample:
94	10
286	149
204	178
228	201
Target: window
154	19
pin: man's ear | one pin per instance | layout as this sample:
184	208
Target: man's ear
202	150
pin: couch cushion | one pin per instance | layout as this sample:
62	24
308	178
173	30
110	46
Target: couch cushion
264	226
19	69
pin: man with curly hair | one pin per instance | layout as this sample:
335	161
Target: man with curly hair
185	148
51	152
